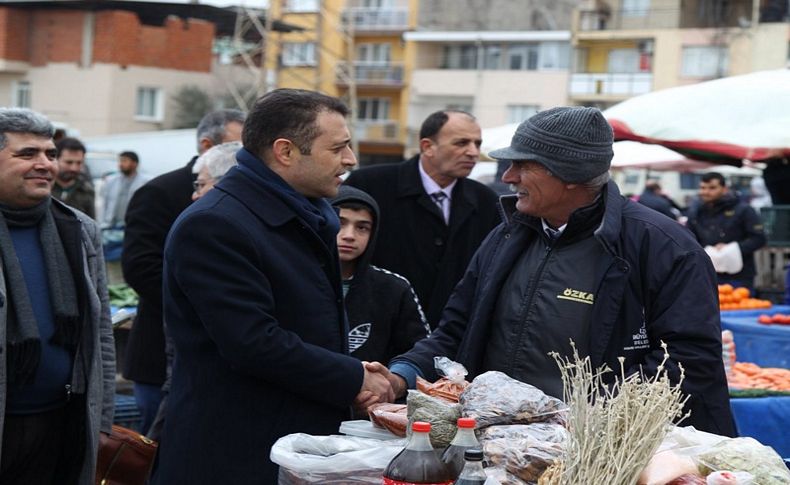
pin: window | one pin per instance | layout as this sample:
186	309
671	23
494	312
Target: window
460	57
704	61
492	57
523	57
149	104
370	109
554	55
21	94
516	113
374	53
299	54
301	5
636	8
623	61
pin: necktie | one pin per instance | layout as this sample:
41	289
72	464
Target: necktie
553	234
440	199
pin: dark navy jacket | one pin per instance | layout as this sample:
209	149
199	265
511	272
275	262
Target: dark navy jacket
729	220
655	281
253	301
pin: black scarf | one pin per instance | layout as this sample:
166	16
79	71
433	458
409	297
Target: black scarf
22	336
316	213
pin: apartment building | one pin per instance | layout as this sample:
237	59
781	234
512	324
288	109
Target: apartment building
502	61
351	49
623	48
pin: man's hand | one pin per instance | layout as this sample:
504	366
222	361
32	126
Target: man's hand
397	382
375	388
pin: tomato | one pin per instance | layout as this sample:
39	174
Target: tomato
765	319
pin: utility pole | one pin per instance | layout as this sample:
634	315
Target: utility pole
352	79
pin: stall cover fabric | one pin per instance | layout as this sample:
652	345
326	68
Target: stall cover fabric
723	121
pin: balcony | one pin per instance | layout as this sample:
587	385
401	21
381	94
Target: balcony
367	73
377	131
590	85
394	18
598	20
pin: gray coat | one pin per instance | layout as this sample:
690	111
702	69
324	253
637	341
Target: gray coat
97	347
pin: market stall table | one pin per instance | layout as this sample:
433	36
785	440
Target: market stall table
764	419
761	344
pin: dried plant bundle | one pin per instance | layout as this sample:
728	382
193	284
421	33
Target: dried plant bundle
614	428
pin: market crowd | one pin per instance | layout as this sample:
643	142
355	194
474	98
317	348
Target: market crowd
276	298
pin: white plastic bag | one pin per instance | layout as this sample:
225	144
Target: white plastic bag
332	460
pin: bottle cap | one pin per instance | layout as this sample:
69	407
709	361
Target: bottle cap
473	455
421	426
466	422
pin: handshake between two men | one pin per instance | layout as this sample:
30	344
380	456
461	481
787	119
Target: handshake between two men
379	385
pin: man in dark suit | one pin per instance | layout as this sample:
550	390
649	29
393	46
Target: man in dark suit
151	211
433	218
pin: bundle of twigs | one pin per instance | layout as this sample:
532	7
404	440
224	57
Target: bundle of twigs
614	429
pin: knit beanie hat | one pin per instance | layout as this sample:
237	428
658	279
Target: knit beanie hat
573	143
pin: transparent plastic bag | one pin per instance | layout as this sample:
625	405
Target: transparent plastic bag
524	451
494	398
729	478
332	460
452	370
745	455
540	432
442	415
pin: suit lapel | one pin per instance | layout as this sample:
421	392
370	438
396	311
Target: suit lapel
410	186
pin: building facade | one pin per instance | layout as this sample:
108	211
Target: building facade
96	72
352	49
622	48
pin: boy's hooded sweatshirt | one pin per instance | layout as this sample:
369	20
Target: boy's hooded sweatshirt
384	315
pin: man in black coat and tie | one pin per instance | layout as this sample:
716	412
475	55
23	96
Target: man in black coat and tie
152	210
433	218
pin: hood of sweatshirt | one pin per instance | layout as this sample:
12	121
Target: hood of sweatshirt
348	194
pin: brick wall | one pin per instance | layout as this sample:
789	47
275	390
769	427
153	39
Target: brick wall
56	36
14	37
178	44
43	36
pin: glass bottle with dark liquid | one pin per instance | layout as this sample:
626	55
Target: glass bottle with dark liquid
418	462
464	439
472	473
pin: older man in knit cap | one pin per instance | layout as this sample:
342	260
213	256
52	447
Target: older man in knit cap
575	260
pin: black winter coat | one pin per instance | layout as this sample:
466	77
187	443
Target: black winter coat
413	239
152	210
729	220
253	303
385	318
655	281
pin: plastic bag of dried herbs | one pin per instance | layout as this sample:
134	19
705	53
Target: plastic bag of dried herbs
494	398
746	455
442	415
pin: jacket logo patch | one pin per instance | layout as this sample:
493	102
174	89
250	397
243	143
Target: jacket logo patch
577	296
358	336
641	341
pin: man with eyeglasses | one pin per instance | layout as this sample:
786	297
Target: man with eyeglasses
214	164
575	260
